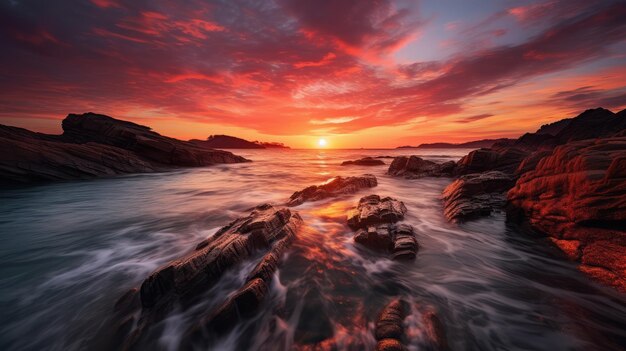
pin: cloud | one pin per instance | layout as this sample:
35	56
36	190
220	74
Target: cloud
474	118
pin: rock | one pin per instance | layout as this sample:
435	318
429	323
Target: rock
334	187
374	219
373	210
416	167
434	331
266	228
476	195
27	157
142	141
366	161
505	160
389	330
196	272
226	142
95	146
576	195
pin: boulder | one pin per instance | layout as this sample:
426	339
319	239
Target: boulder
416	167
334	187
389	331
476	195
373	210
577	197
434	331
482	160
374	221
366	161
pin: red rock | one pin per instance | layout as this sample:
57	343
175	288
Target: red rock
476	195
578	194
390	321
374	210
434	330
390	345
334	187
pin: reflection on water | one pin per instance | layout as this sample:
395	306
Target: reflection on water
69	250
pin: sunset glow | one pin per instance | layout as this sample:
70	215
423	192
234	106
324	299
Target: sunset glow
321	143
388	72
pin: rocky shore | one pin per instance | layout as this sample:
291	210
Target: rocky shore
94	145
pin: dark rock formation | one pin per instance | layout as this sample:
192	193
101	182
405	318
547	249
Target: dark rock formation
434	331
477	144
95	146
266	229
577	196
389	331
416	167
226	142
373	210
149	145
374	219
366	161
475	195
334	187
482	160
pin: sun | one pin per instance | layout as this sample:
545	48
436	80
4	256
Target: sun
321	142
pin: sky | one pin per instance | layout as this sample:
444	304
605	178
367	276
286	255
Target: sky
380	73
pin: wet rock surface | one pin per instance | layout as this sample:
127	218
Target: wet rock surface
334	187
505	160
266	229
412	167
374	220
389	330
366	161
94	146
577	196
476	195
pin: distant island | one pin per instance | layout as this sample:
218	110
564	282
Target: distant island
231	142
477	144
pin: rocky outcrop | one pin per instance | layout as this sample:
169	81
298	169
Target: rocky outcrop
577	196
29	157
334	187
96	146
476	195
226	142
482	160
374	221
415	167
389	332
266	229
366	161
142	141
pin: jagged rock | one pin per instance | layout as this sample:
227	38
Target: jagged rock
95	146
475	195
389	330
373	210
366	161
232	244
482	160
145	143
374	219
577	196
334	187
399	240
416	167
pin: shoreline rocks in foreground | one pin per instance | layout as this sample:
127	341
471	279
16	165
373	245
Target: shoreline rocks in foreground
334	187
577	196
94	145
567	181
266	229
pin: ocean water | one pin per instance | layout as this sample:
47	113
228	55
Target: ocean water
69	250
